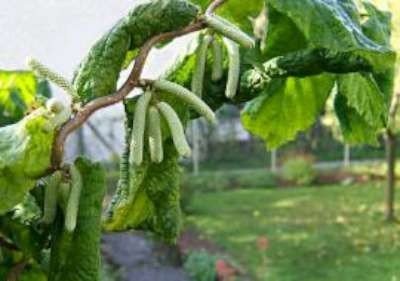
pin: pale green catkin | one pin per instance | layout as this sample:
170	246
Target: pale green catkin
176	128
138	128
72	208
60	111
187	96
218	60
50	197
234	68
155	136
46	73
200	67
229	30
63	194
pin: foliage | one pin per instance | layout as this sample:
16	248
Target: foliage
331	234
151	200
294	102
108	273
200	266
26	150
228	180
20	92
335	43
285	83
76	256
98	73
299	169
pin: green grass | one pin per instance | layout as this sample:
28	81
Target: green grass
332	233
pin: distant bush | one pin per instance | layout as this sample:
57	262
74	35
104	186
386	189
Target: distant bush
225	180
299	169
200	266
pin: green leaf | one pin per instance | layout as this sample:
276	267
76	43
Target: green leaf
76	256
323	24
98	73
286	107
378	27
17	95
360	107
151	202
25	151
27	238
355	129
363	94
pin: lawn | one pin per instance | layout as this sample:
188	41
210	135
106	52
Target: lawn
332	233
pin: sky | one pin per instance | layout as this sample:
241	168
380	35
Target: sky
59	33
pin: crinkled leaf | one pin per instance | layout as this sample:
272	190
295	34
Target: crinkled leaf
76	256
28	211
26	238
378	28
355	129
363	94
286	107
98	73
321	24
151	202
25	150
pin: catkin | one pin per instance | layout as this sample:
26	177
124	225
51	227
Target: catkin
71	213
200	67
234	68
138	128
217	67
50	197
229	30
60	112
187	96
63	194
46	73
176	128
155	136
54	105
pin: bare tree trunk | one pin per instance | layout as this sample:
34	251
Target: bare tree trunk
274	166
346	156
196	146
391	176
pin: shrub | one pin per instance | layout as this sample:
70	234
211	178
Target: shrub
223	180
200	266
299	169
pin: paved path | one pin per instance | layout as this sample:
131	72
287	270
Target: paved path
140	259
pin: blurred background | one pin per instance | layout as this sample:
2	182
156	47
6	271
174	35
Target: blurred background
312	210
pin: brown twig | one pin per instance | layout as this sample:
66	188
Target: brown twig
16	270
5	244
132	82
214	5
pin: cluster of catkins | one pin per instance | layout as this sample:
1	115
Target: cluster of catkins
232	38
63	192
147	118
147	115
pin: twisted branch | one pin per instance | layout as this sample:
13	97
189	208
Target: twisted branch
133	81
